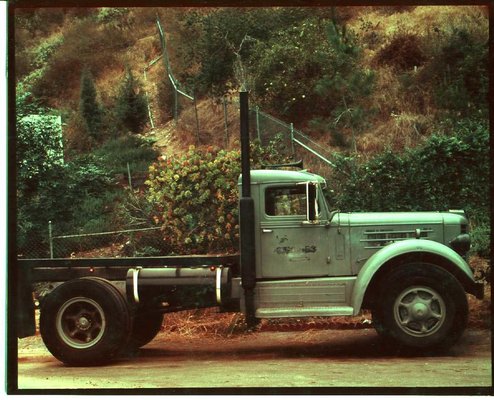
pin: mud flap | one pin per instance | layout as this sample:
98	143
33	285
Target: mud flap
26	324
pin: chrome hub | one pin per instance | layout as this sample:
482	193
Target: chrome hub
419	311
83	323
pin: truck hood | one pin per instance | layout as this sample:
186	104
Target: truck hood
403	218
395	218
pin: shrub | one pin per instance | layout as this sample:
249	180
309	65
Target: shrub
195	198
131	105
60	197
219	34
311	71
448	171
457	70
116	153
89	108
481	239
403	52
196	201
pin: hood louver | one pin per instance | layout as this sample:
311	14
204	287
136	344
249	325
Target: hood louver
375	239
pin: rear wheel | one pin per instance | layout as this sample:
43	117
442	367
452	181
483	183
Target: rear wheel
145	328
423	307
85	322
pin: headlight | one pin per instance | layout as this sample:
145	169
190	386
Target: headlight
461	243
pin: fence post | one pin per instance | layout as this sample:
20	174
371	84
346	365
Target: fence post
175	108
147	101
291	138
50	238
197	117
225	114
258	126
129	176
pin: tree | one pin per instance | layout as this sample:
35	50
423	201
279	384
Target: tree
131	105
89	108
38	140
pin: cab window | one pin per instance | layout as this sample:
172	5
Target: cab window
282	201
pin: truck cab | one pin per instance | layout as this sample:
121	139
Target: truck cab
315	261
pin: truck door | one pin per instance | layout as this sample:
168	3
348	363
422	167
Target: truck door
291	246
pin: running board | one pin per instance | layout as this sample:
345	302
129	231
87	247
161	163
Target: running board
303	312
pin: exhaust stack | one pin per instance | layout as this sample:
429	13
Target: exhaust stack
247	234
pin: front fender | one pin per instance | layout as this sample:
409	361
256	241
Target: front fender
391	251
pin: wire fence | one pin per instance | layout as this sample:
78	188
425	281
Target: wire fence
147	241
136	242
266	127
182	97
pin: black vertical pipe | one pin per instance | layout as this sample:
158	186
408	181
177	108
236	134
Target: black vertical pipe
247	232
245	143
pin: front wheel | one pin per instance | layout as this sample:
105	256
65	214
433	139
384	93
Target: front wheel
422	307
85	322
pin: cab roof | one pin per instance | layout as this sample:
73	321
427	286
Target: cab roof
260	176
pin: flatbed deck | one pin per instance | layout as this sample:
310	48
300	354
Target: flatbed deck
63	269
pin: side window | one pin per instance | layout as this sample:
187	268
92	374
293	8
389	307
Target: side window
290	200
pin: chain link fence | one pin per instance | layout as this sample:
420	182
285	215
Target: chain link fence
138	242
264	127
182	98
147	241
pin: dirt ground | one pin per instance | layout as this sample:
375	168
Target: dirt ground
301	359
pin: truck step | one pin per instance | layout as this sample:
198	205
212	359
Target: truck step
304	312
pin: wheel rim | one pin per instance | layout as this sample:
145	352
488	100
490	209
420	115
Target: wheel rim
81	322
419	311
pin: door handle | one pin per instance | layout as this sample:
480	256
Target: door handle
267	231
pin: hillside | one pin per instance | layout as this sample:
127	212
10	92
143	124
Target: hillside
388	94
392	92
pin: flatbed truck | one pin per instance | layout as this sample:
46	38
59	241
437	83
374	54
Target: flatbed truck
298	258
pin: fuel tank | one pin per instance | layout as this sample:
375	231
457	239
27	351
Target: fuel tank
181	288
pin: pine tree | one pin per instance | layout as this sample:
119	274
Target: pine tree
131	106
89	108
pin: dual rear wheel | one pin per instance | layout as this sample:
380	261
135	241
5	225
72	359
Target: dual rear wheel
87	321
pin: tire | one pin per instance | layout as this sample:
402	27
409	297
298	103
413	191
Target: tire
85	322
146	327
423	307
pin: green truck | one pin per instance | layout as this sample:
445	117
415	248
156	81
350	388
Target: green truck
298	258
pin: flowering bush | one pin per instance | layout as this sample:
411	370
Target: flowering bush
195	198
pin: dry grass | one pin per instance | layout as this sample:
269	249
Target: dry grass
481	310
200	323
399	132
404	112
211	323
420	20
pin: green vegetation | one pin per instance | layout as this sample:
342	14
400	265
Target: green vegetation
79	195
397	94
448	171
89	108
131	107
195	198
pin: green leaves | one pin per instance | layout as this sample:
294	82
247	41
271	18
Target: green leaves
449	171
195	197
195	192
89	107
131	106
